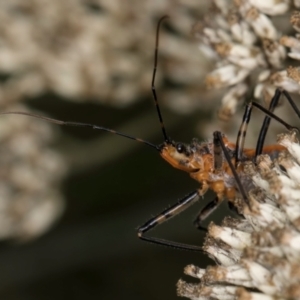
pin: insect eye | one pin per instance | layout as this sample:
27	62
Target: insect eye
180	148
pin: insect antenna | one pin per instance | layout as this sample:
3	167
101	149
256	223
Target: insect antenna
79	124
153	80
96	127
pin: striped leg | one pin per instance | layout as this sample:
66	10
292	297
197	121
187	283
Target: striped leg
218	142
240	141
266	123
262	135
205	212
220	147
168	213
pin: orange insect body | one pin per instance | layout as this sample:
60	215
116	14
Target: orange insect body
197	159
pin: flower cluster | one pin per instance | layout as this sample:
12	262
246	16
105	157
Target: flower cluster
30	174
91	50
245	38
257	257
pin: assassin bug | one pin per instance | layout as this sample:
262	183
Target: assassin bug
216	165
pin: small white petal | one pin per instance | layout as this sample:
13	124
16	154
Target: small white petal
293	147
235	274
281	79
234	238
261	24
260	276
271	7
226	76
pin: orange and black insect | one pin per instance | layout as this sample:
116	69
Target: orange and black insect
216	165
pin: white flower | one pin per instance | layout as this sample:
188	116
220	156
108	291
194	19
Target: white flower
262	252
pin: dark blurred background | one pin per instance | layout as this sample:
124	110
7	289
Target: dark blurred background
92	251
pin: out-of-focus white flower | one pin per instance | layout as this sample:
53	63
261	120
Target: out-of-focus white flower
30	175
90	50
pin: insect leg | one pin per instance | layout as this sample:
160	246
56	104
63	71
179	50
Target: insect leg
292	103
218	142
218	158
246	118
219	147
267	120
266	123
172	211
242	134
205	212
273	116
